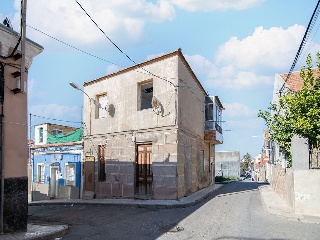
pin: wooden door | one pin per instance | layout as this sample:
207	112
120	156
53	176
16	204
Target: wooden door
89	174
144	174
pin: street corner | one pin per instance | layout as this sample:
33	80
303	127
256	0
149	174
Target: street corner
39	232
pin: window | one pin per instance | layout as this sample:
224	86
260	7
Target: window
102	105
145	95
209	112
56	132
202	161
102	163
40	174
41	135
70	174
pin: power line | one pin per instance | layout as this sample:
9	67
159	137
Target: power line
69	45
54	119
90	54
305	52
127	56
105	33
303	42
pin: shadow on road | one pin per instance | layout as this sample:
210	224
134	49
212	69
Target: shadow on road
126	222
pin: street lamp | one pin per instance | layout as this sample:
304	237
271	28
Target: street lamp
75	86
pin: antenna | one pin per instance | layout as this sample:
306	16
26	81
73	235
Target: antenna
7	22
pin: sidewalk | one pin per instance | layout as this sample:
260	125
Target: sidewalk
276	206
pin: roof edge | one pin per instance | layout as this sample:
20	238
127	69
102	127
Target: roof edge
177	52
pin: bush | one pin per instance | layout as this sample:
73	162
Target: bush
223	179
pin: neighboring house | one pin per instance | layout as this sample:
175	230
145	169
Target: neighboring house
283	84
227	164
145	134
56	161
13	129
294	185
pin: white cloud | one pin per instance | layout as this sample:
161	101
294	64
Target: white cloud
200	64
226	76
57	111
252	61
112	68
212	5
237	109
229	77
151	56
123	19
268	48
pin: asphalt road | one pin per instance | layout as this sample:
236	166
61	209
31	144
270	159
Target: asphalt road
233	212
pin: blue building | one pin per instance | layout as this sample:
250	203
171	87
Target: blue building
56	162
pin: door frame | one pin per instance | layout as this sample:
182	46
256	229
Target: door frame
147	192
89	169
53	186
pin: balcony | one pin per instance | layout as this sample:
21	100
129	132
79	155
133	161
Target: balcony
213	132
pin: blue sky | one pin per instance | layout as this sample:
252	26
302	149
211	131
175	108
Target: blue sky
235	47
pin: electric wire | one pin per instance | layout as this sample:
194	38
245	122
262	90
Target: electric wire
54	119
69	45
304	39
127	56
306	51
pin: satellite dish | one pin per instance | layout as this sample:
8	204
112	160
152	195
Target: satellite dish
107	108
155	102
156	105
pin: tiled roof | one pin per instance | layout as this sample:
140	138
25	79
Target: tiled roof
295	81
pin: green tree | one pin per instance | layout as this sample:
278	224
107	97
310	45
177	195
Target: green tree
296	112
246	162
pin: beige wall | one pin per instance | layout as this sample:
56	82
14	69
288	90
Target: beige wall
15	109
306	191
298	188
191	103
122	93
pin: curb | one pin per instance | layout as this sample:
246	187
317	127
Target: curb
54	234
190	200
38	232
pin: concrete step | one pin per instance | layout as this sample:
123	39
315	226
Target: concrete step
88	195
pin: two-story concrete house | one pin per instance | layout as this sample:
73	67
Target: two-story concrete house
145	134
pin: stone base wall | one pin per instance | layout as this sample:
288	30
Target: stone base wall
120	164
190	178
175	163
68	192
15	204
298	188
282	182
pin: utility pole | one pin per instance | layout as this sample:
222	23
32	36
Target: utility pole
23	82
21	85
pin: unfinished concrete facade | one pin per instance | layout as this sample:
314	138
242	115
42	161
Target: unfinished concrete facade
144	134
